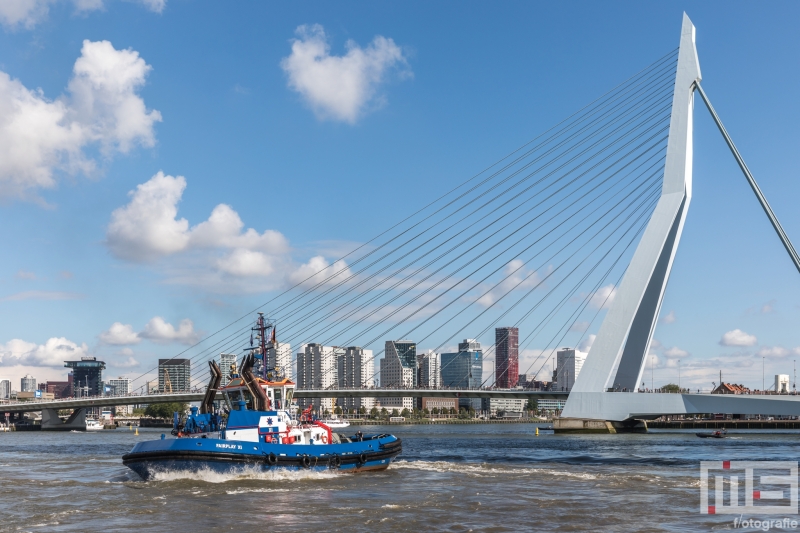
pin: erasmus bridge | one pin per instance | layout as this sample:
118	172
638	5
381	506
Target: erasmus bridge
576	228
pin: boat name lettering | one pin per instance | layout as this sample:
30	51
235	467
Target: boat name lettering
230	446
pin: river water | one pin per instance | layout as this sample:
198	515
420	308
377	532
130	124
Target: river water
449	478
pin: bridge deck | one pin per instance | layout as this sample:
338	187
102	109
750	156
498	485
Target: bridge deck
188	397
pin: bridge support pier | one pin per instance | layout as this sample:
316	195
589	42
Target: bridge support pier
52	422
585	425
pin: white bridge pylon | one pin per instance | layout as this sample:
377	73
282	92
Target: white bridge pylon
606	387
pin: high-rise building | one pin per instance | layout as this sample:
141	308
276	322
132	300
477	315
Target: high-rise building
5	389
119	386
27	384
318	368
525	380
506	341
356	371
280	358
430	366
225	362
568	365
87	376
174	375
464	369
399	370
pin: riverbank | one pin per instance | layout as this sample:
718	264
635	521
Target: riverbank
428	422
727	424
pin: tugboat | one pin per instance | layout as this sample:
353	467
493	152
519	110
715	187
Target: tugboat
260	431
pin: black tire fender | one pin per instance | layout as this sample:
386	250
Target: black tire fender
272	459
305	461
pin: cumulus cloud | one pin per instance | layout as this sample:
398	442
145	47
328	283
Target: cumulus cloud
52	353
148	228
340	87
120	334
24	274
317	271
603	297
669	318
738	337
160	331
41	138
28	13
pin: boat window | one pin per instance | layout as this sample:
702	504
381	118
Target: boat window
289	394
248	398
278	399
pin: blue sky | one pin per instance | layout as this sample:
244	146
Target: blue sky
99	97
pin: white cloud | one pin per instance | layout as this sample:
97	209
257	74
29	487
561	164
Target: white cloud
340	87
156	6
738	337
25	13
24	274
669	318
603	297
43	295
586	344
52	353
776	352
148	228
28	13
676	353
162	332
120	334
317	271
40	138
516	277
104	97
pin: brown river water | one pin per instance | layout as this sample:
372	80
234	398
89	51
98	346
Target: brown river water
477	477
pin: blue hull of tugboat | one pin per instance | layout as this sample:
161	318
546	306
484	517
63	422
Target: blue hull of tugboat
229	456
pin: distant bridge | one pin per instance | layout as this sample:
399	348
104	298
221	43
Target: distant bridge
189	397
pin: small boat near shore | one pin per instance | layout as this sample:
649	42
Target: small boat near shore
260	431
93	425
713	434
334	422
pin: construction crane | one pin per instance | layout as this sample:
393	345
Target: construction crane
167	382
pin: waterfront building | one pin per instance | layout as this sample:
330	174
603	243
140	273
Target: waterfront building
730	388
87	376
430	370
318	368
5	389
782	383
174	375
399	370
568	365
280	358
503	405
464	370
59	389
550	405
356	371
227	361
27	384
440	404
506	342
